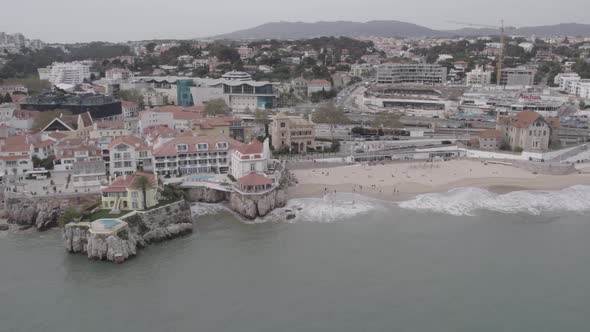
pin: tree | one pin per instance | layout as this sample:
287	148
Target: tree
7	98
133	95
261	116
44	118
143	183
68	216
386	120
330	114
216	107
151	47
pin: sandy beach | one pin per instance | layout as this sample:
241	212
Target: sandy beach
400	181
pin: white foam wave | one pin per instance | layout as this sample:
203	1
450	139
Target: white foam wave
466	201
328	209
202	209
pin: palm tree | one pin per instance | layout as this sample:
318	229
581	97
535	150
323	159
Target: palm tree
143	183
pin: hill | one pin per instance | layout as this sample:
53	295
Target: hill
303	30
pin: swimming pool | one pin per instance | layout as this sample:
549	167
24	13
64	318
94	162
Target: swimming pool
202	177
109	223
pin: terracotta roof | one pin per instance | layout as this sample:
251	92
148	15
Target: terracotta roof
13	158
128	104
319	82
254	179
133	141
57	135
110	124
122	183
44	144
490	133
169	148
255	147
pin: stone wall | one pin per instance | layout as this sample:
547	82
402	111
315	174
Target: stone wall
254	206
143	228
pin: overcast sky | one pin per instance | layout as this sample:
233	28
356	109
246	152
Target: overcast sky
122	20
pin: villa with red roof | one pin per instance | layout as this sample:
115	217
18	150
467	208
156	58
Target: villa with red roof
250	158
125	194
528	131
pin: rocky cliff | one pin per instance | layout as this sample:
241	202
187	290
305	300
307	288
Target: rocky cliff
143	228
254	206
40	213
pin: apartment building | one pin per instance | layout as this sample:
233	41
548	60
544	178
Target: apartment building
109	129
478	76
292	133
127	154
66	73
16	156
193	155
397	73
517	77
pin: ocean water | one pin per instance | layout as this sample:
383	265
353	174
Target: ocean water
466	260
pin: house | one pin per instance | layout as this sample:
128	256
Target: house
318	86
129	109
250	158
16	156
72	125
528	131
109	129
490	139
71	151
292	133
124	193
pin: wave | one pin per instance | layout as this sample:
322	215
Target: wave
202	209
328	209
466	201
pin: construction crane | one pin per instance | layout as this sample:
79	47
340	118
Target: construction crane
500	51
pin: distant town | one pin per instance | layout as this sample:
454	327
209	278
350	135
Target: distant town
107	136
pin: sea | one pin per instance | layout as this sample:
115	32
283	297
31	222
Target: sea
464	260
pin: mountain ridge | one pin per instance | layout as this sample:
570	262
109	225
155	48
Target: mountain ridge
387	28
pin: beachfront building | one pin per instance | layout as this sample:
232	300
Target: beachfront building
528	131
250	158
490	139
124	192
292	133
194	154
127	154
419	73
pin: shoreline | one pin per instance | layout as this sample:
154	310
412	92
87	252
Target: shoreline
400	182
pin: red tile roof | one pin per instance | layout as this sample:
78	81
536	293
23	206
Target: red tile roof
255	147
133	141
254	179
490	133
169	148
122	183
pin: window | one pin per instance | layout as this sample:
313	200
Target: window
202	146
127	155
182	147
143	154
222	145
282	125
134	194
117	156
252	167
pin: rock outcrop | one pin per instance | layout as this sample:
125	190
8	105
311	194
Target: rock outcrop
40	213
143	228
207	195
254	206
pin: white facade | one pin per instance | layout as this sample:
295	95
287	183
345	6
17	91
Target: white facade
478	77
65	73
251	158
152	119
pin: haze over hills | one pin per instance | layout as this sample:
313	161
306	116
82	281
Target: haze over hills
301	30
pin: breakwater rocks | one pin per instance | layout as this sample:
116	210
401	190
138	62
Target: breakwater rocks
137	230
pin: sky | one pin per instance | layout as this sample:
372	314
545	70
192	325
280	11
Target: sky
123	20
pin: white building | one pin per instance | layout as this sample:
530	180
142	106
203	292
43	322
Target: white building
128	154
478	77
396	73
65	73
318	86
149	119
250	158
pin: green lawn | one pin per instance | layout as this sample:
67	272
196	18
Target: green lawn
101	214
